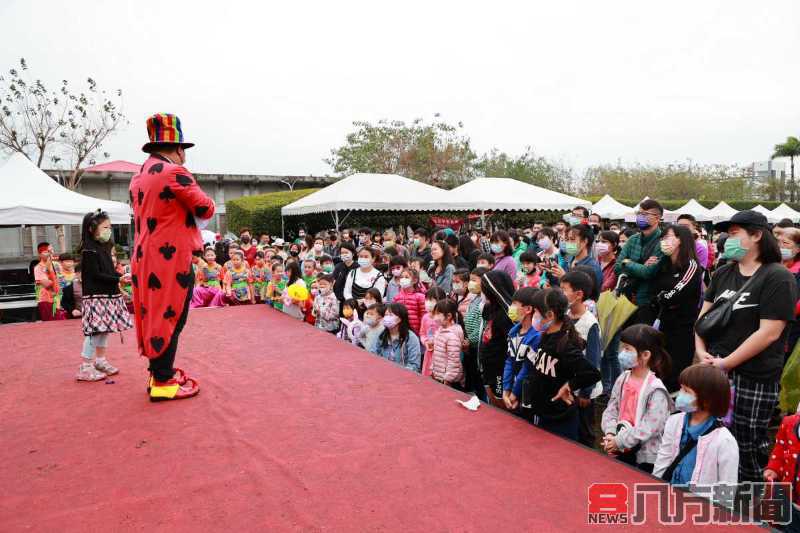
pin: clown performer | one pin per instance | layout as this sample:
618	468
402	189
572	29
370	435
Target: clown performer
169	210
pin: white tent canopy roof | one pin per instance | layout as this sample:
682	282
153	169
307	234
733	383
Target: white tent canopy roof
609	208
29	196
722	212
371	192
784	211
506	194
694	208
766	212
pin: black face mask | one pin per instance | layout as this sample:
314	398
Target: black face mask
294	253
245	239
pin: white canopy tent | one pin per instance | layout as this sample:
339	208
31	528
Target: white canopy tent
506	194
784	211
370	192
694	208
766	212
28	196
722	212
611	209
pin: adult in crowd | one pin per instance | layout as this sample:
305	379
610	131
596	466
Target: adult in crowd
364	237
468	251
789	243
422	247
580	239
640	257
347	255
750	347
390	240
700	248
442	267
503	249
364	278
247	246
453	243
677	301
606	248
596	223
167	203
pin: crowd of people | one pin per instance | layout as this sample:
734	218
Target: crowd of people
686	389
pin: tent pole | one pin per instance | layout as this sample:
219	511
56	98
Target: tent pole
336	220
483	219
283	232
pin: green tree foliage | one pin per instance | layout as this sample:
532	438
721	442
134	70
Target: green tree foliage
527	167
437	153
790	149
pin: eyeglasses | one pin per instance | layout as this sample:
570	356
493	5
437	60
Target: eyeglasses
648	214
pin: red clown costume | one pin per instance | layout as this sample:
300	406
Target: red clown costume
167	204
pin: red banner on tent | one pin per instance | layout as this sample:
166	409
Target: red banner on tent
445	222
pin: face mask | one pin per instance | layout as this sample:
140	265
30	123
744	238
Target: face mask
474	287
667	248
416	243
685	402
601	248
362	241
496	248
429	305
327	268
562	246
396	272
245	239
294	253
317	247
302	235
545	243
405	283
326	291
105	235
364	262
458	288
347	313
346	257
571	219
367	303
528	234
786	253
733	249
540	325
371	321
484	265
627	359
514	314
438	320
391	321
642	221
388	244
571	248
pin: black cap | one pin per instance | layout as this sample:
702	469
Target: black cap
749	218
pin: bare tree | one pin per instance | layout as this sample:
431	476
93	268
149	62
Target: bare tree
291	181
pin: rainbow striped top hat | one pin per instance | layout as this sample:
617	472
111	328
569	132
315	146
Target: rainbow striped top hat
164	129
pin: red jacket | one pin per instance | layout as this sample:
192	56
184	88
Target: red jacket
783	458
415	303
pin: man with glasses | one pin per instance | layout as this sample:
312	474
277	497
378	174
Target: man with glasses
640	257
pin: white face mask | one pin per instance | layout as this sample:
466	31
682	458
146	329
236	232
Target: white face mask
429	305
405	282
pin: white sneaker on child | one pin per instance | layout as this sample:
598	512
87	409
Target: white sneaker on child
87	372
102	364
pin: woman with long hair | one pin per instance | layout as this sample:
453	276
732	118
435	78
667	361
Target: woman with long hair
104	309
442	267
398	343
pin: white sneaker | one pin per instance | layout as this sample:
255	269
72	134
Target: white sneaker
87	372
102	364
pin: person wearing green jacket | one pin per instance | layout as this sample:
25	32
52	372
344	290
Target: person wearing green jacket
640	258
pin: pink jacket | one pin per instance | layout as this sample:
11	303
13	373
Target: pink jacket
415	303
446	361
427	332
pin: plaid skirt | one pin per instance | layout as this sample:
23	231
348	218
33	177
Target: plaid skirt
105	314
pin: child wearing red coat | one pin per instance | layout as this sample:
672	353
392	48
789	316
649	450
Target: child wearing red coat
783	463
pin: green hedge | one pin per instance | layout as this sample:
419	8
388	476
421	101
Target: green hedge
261	212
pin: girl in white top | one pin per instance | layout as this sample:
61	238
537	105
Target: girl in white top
365	277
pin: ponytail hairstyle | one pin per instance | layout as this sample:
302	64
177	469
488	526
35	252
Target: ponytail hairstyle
90	223
446	306
553	300
647	338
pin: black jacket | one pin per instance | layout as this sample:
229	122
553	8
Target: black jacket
340	272
97	271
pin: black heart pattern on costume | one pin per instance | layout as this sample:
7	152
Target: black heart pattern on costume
200	210
139	253
166	194
169	313
151	224
135	281
157	343
155	169
153	282
140	196
167	251
136	225
142	310
190	223
184	278
183	179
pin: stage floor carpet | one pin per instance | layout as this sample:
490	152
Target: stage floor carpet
292	430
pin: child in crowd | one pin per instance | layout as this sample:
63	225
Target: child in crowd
460	295
428	327
67	271
473	328
260	274
276	286
486	261
575	285
640	405
208	288
292	306
125	284
411	297
417	264
326	306
557	368
72	299
497	288
373	320
326	264
48	294
522	339
310	272
591	297
396	266
529	276
398	343
784	463
446	364
372	297
696	448
238	284
351	323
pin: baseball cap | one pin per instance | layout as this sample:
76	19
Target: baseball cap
750	219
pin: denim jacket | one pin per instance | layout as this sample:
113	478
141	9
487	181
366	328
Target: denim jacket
406	354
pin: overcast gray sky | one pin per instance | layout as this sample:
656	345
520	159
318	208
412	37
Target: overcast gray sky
271	87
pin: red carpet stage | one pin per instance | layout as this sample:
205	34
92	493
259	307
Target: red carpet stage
293	430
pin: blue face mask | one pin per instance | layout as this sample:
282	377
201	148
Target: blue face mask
685	402
540	325
627	359
562	246
642	221
496	248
